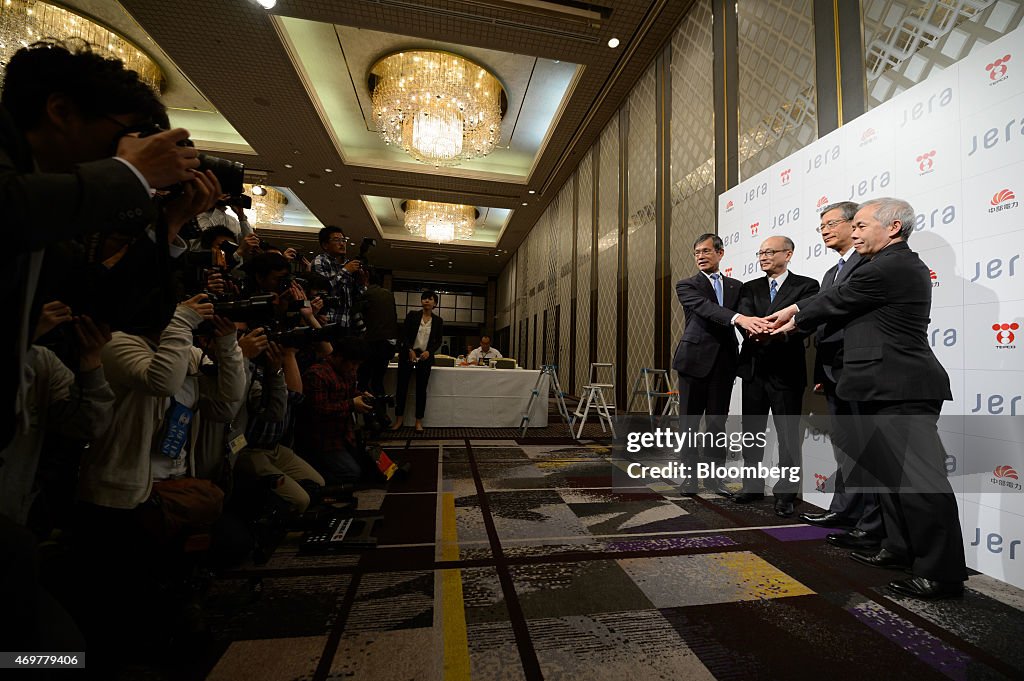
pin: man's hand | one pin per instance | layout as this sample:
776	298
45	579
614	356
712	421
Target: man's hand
782	316
214	282
248	245
274	358
253	343
198	195
239	212
788	327
316	305
753	325
352	266
360	405
290	253
91	339
53	314
200	303
223	326
424	355
159	158
412	356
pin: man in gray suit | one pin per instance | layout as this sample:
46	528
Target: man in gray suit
857	510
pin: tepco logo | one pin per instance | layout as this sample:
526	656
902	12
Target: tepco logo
1005	476
785	176
754	228
1003	199
1004	335
728	271
868	136
819	482
925	162
997	69
822	202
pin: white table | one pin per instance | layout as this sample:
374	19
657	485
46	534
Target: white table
475	397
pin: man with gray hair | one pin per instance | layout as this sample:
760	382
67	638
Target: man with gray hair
898	386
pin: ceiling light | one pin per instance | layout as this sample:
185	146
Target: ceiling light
613	43
533	191
266	4
328	170
525	203
439	222
267	203
288	165
302	182
438	107
337	184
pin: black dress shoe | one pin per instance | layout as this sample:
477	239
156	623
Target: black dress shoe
826	519
922	587
720	489
882	559
783	508
747	497
854	539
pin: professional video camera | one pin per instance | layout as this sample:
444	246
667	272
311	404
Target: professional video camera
377	420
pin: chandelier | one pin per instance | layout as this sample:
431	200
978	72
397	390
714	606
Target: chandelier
267	203
439	222
23	22
438	107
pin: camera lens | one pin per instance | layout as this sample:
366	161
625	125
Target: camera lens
230	173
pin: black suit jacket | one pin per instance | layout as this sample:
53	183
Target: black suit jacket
886	302
828	357
411	327
708	331
781	362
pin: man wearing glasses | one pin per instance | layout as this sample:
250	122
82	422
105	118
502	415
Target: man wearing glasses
857	510
343	275
773	370
706	355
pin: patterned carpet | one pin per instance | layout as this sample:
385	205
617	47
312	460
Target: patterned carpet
501	560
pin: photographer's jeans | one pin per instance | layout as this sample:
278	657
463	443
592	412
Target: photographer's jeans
339	468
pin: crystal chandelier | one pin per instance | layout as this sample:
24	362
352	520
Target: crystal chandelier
23	22
438	107
267	203
439	222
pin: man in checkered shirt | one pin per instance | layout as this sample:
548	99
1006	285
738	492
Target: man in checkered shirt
344	276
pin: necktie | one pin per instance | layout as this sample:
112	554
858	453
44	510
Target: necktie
839	269
773	289
716	280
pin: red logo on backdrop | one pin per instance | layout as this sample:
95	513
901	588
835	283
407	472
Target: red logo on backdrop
728	271
728	205
822	201
785	175
1004	199
753	228
1004	334
1005	472
997	69
819	482
868	136
924	161
935	278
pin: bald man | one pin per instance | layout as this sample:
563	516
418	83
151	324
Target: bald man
773	370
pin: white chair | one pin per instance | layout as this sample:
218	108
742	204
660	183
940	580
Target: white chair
593	395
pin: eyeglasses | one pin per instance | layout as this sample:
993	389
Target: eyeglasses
830	224
770	252
703	251
337	241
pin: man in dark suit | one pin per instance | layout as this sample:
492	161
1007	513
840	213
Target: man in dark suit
858	510
774	371
891	373
66	169
706	356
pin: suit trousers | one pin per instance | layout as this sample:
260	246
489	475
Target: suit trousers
860	507
708	397
786	405
405	371
373	368
922	520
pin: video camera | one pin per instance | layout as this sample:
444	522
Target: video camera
377	420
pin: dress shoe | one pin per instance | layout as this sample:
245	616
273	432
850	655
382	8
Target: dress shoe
922	587
720	489
747	497
882	559
826	519
854	539
783	508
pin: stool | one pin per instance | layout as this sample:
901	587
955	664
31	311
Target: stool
656	383
593	395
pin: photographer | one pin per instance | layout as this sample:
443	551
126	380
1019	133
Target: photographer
380	331
346	280
276	387
325	430
66	168
218	217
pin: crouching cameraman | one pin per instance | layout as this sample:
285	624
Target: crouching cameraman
275	388
325	430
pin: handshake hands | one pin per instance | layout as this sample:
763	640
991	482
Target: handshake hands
762	329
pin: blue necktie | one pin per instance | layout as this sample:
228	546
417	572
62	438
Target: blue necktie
717	282
839	270
773	289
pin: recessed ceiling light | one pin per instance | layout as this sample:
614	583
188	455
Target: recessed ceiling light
288	165
533	191
337	184
525	204
613	43
302	182
328	170
266	4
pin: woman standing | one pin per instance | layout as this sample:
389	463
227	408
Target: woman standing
421	335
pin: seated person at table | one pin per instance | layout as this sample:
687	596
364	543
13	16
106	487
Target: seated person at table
420	337
485	351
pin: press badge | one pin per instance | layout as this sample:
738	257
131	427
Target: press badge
179	418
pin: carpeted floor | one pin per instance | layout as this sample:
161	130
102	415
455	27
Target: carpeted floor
510	559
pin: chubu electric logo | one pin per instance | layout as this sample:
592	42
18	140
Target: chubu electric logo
1005	476
822	202
1003	199
868	136
729	205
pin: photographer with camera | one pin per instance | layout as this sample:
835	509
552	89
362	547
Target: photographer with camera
380	331
325	429
218	216
345	276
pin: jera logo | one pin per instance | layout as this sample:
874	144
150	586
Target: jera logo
993	404
921	109
993	136
947	337
997	69
994	543
996	268
822	160
935	217
869	185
